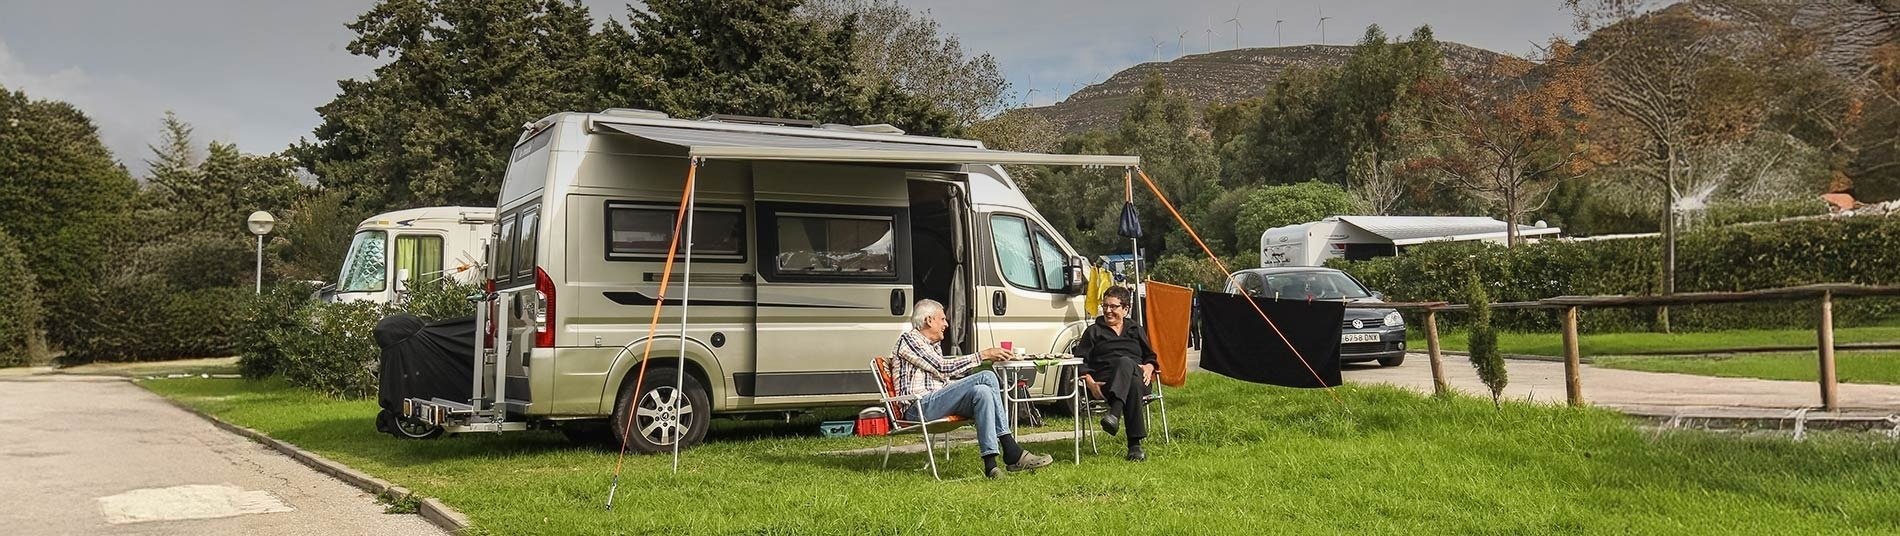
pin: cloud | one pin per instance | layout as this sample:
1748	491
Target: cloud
126	110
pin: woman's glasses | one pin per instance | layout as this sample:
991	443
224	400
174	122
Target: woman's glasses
1107	306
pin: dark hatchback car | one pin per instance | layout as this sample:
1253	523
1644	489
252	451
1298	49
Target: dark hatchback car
1366	335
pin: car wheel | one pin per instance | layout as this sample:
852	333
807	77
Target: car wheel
1392	361
656	421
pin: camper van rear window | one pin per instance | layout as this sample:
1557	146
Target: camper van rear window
836	245
644	231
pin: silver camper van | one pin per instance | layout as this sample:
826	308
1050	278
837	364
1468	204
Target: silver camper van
810	243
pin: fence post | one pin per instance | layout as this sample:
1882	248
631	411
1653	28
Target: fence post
1573	359
1438	362
1830	391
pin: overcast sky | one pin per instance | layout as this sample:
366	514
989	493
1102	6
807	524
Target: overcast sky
253	72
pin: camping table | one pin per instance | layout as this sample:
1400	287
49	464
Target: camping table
1013	371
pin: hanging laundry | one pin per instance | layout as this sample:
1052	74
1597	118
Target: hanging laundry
1236	343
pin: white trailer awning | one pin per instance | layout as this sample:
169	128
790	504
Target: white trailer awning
1409	230
821	146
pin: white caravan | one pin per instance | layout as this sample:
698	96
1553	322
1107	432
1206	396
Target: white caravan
393	251
810	244
1363	237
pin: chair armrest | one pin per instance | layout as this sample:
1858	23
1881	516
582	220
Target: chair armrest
905	398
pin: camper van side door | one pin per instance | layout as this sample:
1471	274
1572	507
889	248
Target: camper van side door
1026	299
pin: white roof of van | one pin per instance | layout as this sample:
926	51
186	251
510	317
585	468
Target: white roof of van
401	218
1408	230
720	141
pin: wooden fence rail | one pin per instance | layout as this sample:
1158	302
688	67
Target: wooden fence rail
1573	357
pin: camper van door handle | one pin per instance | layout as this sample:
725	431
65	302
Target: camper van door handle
998	304
898	304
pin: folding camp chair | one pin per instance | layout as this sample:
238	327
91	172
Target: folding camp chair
1099	404
894	409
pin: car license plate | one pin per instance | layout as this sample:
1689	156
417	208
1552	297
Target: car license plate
1350	338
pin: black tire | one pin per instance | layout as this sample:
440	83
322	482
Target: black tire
649	432
1392	361
412	429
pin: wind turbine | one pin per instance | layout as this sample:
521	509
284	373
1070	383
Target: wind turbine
1277	40
1155	53
1322	24
1237	26
1179	41
1211	34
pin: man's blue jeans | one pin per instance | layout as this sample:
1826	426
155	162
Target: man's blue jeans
975	397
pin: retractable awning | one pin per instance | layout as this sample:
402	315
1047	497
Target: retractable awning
1409	230
816	146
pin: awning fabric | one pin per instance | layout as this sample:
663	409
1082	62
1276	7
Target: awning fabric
1408	230
734	145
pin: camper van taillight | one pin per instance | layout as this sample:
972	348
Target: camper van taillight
543	309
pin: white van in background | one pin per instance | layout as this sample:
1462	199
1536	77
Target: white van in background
393	251
1357	238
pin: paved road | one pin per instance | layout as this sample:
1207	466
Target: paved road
93	455
1653	393
1649	393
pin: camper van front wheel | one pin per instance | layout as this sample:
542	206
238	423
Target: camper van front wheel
661	413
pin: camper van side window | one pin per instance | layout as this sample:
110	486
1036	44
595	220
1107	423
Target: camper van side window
421	255
505	251
1013	252
836	245
644	231
524	246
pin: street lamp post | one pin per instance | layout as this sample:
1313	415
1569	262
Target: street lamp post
260	223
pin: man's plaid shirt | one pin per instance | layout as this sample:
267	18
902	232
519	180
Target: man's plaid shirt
919	368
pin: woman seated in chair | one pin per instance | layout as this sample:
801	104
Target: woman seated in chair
1116	354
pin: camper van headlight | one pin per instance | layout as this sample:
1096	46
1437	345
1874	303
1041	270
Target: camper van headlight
1394	319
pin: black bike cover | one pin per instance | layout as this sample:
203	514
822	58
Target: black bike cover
434	360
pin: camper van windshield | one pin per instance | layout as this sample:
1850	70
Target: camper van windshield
1317	285
366	265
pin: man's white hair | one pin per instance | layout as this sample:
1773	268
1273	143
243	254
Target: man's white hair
920	314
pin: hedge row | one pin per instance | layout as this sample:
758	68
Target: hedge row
1863	250
328	347
19	306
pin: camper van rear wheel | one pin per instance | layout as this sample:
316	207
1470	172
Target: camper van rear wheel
662	414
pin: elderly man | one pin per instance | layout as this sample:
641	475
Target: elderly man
920	368
1117	355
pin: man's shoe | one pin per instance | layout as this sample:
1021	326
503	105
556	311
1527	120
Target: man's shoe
994	473
1135	454
1111	423
1031	461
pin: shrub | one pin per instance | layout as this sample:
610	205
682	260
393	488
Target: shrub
127	321
1484	341
19	307
276	310
332	351
1860	250
441	299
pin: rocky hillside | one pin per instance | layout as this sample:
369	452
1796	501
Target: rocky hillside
1217	77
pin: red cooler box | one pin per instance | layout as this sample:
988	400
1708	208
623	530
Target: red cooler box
873	422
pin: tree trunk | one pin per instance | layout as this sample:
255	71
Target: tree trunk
1668	240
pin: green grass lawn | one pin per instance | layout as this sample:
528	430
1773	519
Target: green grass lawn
1849	367
1594	344
1246	459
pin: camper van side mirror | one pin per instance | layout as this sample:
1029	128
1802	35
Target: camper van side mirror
1075	276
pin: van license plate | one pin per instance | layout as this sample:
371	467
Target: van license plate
1350	338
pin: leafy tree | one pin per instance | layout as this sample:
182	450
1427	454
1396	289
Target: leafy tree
907	49
189	229
1276	206
434	124
1314	124
754	57
19	307
1509	143
65	201
1164	128
314	237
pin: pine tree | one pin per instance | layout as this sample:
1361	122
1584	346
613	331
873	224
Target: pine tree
1484	341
